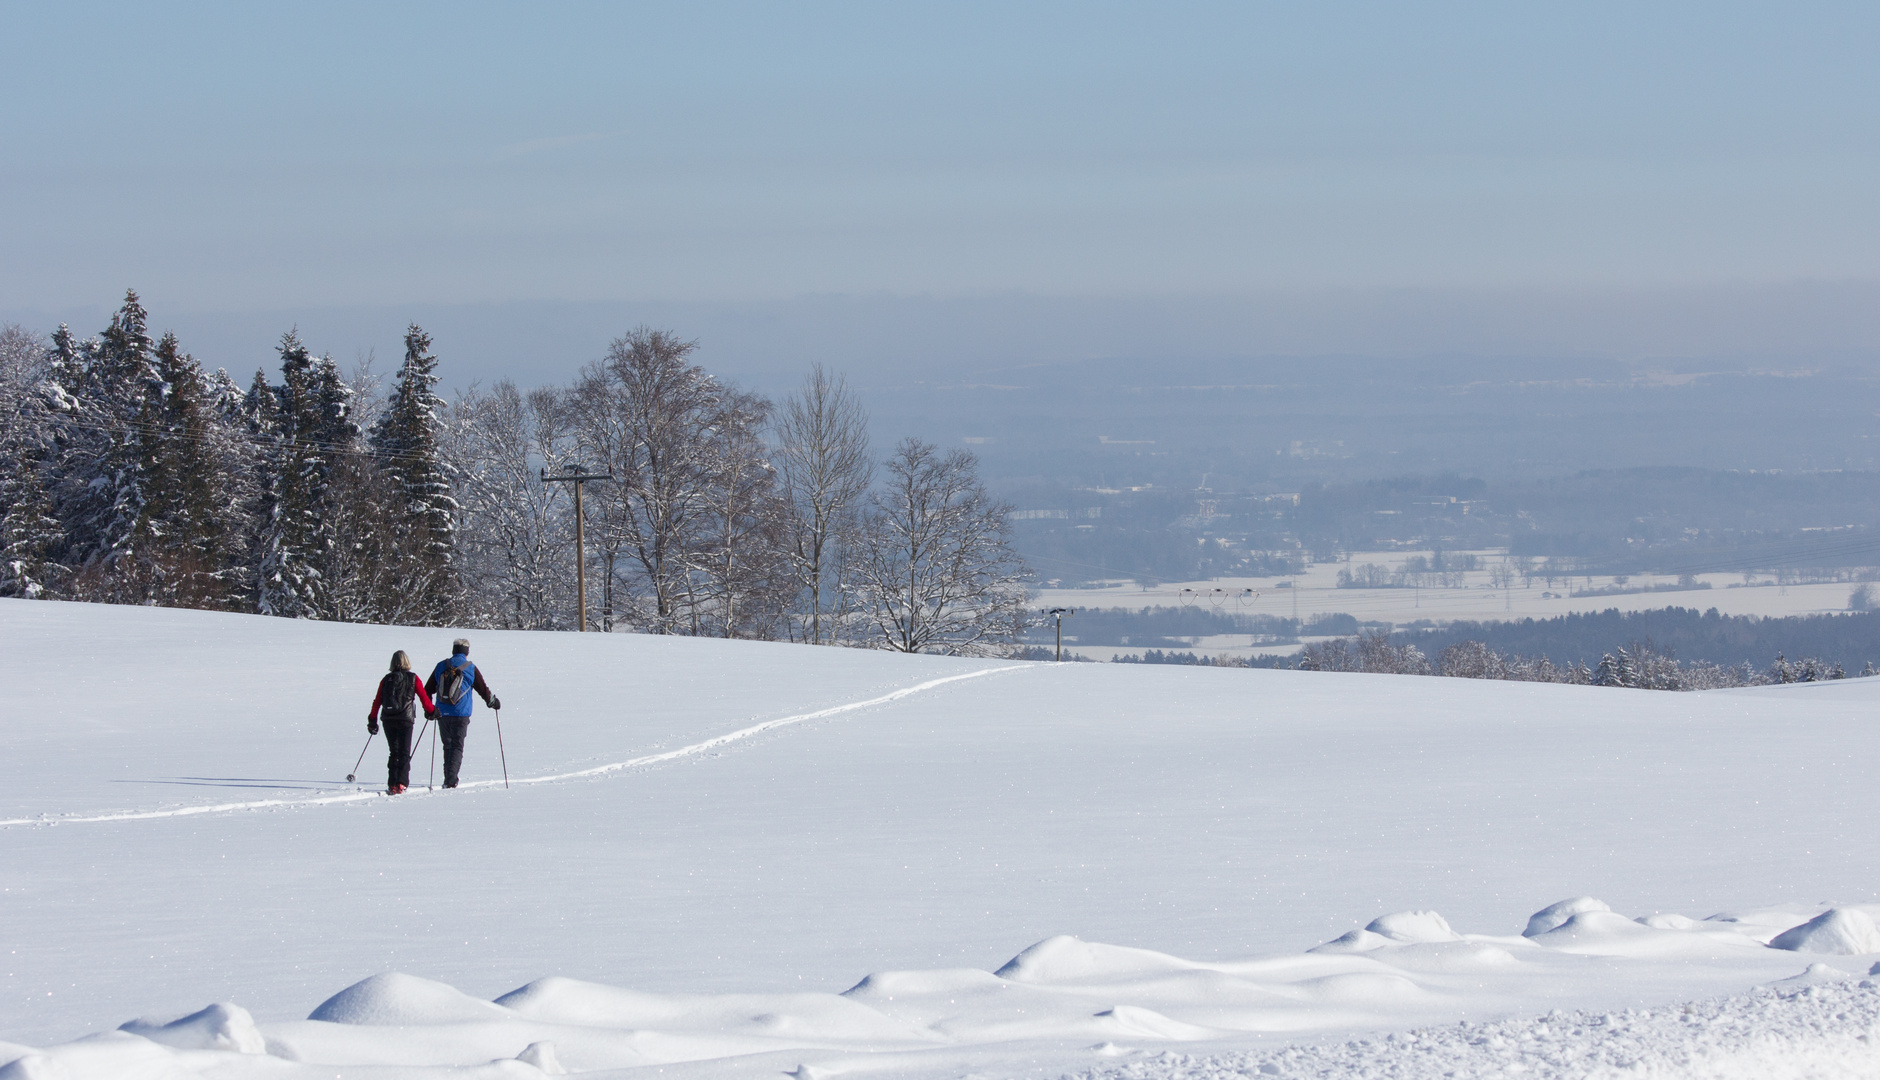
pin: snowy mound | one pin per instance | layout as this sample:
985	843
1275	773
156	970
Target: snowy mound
1361	989
1353	941
1136	1022
1553	916
1837	931
542	1056
1063	992
218	1027
1397	929
1066	959
1608	933
395	999
889	985
1668	921
1413	927
818	1017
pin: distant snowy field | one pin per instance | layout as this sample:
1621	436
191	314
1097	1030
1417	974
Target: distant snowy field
1012	869
1315	592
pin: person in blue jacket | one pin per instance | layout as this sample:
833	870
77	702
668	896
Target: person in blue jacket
450	687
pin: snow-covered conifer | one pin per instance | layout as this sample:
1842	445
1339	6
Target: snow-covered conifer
405	443
1781	671
29	532
294	485
101	389
29	537
1615	670
188	535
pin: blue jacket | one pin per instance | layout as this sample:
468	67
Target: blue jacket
477	686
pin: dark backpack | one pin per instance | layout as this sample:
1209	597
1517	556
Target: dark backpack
454	685
396	693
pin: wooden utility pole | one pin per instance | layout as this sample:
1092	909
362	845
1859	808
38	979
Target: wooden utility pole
577	476
1058	613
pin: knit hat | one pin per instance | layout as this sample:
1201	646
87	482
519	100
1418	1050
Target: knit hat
461	645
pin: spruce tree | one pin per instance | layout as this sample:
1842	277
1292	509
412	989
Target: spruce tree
1616	670
127	386
29	538
29	532
293	476
406	442
347	505
260	424
102	387
259	407
188	529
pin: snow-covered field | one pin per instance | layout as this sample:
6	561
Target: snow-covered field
1315	592
744	859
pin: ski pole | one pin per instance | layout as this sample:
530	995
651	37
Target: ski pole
362	757
499	747
432	786
421	730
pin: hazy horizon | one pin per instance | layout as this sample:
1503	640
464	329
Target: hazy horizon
960	186
890	340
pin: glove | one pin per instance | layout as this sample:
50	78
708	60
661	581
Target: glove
496	703
432	715
372	725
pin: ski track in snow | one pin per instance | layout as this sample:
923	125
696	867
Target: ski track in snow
599	770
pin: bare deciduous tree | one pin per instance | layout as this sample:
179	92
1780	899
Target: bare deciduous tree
937	572
690	484
517	548
22	358
822	453
741	580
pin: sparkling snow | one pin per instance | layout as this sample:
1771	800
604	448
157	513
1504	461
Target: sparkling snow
731	858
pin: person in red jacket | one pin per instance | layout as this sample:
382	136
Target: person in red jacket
400	691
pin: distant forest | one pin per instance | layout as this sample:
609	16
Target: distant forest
1851	640
1684	634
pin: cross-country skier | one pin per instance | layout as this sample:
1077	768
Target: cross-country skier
399	695
451	683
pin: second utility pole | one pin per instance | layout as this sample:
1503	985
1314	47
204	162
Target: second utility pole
578	477
1058	613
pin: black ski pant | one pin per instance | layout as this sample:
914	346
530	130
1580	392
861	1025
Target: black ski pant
452	730
398	741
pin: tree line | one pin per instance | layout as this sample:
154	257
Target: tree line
1639	665
1636	666
1686	633
138	477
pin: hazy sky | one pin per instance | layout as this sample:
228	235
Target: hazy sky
245	158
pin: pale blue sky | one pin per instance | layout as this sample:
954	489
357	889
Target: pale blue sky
239	158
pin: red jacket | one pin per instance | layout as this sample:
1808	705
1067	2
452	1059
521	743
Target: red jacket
419	696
